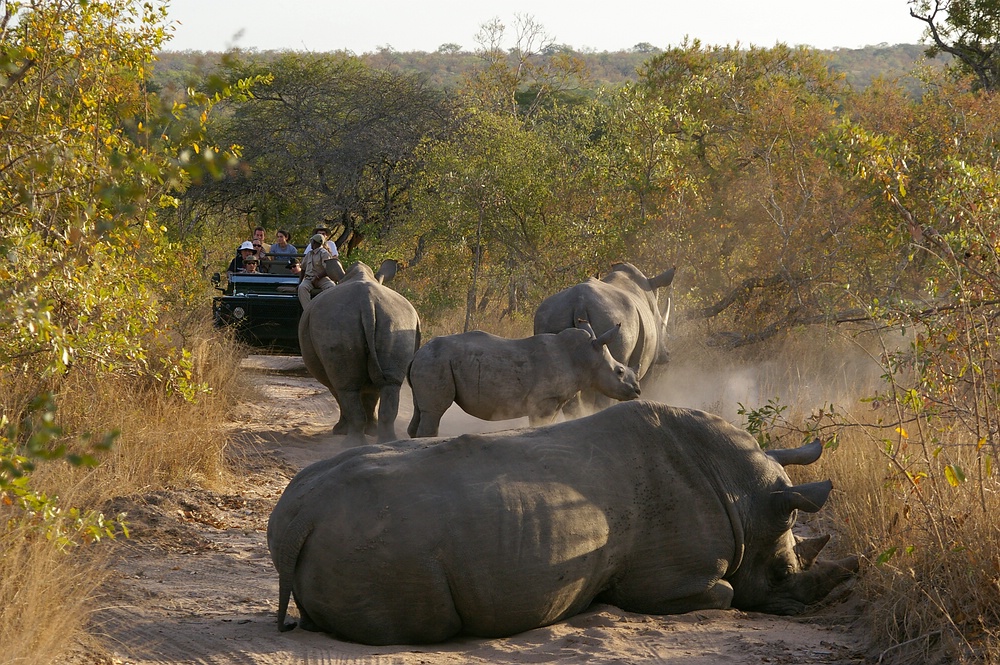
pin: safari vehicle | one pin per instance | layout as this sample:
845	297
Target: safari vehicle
263	309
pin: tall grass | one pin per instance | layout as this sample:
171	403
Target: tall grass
164	439
47	590
45	594
912	457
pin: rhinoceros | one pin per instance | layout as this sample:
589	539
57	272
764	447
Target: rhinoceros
652	508
624	295
357	339
495	378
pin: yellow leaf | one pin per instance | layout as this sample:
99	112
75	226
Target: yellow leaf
981	443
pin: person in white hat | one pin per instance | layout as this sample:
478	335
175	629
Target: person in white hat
243	252
314	269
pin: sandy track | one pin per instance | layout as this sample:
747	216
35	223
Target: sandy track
195	583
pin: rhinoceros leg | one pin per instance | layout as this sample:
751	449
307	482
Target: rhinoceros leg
719	596
427	423
387	411
675	598
370	398
411	429
352	411
573	409
305	621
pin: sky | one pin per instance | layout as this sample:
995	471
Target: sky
366	26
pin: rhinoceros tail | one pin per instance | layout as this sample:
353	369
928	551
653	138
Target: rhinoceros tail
286	558
369	321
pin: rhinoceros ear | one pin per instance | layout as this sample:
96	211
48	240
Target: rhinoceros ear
663	279
606	336
809	497
808	549
584	324
806	454
387	271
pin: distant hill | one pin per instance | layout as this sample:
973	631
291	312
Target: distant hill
445	68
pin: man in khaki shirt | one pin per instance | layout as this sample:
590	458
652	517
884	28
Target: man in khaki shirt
314	270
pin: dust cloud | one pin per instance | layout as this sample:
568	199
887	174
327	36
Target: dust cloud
805	372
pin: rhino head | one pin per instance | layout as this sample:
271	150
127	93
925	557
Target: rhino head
610	377
780	573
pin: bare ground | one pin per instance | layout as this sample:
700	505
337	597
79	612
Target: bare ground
195	582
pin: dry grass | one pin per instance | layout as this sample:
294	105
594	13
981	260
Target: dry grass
45	593
930	584
453	322
931	577
164	440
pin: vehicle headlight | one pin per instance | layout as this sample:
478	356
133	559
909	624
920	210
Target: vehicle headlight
238	313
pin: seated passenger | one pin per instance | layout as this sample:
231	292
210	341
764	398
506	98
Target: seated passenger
283	246
250	265
261	254
313	273
243	252
258	237
330	245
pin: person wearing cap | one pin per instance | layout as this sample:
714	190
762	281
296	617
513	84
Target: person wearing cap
314	269
330	245
250	264
243	252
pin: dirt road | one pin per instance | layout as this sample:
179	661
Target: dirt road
195	582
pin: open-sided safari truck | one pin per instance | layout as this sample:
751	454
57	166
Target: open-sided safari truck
263	308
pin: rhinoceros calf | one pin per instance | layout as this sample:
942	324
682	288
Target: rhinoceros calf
625	295
651	508
357	339
495	378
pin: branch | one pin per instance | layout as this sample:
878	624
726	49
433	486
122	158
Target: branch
740	294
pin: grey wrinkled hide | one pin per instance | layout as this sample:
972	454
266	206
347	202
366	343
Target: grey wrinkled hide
357	339
651	508
625	295
494	378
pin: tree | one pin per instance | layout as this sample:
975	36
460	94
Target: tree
715	147
324	139
522	78
88	163
969	30
486	218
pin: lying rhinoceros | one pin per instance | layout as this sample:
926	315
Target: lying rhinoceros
651	508
357	339
495	378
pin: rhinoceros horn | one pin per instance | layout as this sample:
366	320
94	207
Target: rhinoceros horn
809	497
802	455
606	336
